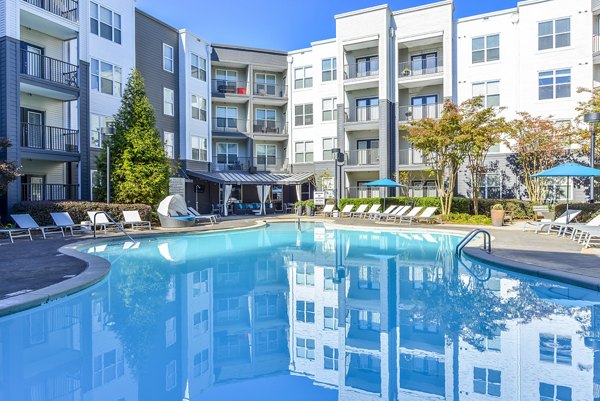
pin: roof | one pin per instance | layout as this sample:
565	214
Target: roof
245	178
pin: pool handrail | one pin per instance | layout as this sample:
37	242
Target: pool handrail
487	240
119	227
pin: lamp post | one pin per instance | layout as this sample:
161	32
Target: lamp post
339	159
592	119
107	132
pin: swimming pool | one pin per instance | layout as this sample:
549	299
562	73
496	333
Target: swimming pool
275	313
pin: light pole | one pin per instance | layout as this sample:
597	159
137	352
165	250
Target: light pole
592	119
107	132
338	159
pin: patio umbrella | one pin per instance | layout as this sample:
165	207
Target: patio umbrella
384	183
569	170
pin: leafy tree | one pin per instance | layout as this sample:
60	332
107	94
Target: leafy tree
140	168
9	171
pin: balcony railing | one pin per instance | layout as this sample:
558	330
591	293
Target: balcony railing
361	70
421	191
416	113
68	9
52	192
270	90
410	157
235	163
363	192
596	43
363	157
49	138
223	124
225	87
420	67
268	127
362	114
49	69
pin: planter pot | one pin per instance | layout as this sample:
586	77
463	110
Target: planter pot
299	210
497	218
308	211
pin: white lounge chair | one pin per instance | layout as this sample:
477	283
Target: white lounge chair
539	226
410	215
589	234
360	211
399	213
16	233
346	210
101	219
372	211
25	221
133	218
389	212
577	228
63	219
198	216
386	211
327	210
428	215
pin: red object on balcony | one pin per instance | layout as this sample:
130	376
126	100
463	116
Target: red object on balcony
241	91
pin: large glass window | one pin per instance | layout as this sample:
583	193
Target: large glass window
201	363
168	58
491	186
265	84
265	121
554	34
303	114
266	154
485	48
328	145
303	77
304	152
368	277
331	358
329	69
554	84
487	381
106	78
227	117
330	315
227	81
200	322
305	348
199	146
489	91
169	144
168	102
198	67
305	311
105	23
305	275
227	153
97	123
552	392
329	112
266	306
555	349
198	108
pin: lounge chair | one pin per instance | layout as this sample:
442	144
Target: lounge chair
64	220
372	211
388	213
327	210
577	228
346	210
101	219
133	218
360	211
428	215
539	226
589	234
399	213
27	222
410	215
15	233
198	216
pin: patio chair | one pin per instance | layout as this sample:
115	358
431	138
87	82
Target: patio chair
25	221
133	218
360	211
428	215
101	219
63	219
386	211
539	226
199	217
327	210
410	215
589	234
16	233
399	213
577	228
346	210
389	212
372	211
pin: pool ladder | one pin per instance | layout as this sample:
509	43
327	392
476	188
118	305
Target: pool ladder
119	227
487	240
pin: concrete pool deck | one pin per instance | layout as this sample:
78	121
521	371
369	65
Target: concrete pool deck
33	273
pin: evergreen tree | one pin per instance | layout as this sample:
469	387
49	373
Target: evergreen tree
139	167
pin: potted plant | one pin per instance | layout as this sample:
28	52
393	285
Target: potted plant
406	72
309	208
298	206
497	213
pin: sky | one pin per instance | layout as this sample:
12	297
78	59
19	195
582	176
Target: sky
280	24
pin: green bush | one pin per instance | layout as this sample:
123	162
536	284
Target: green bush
588	210
40	211
459	205
521	210
465	218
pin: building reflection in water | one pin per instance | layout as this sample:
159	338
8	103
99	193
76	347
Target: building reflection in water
317	314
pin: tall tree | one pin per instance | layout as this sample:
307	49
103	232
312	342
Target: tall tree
9	171
139	167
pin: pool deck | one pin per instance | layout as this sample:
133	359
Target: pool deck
33	273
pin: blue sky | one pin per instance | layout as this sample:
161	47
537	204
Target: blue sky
276	24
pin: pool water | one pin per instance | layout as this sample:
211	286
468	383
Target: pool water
276	313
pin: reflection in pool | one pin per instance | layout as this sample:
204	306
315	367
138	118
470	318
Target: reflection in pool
278	314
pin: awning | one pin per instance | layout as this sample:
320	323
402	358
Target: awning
245	178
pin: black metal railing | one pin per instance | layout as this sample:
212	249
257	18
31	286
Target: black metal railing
226	87
49	138
270	90
224	124
49	69
361	70
420	67
230	162
53	192
68	9
416	113
268	127
362	114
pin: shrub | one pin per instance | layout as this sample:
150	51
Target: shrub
521	210
588	210
40	210
465	218
498	206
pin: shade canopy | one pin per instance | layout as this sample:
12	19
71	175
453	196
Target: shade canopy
384	182
569	170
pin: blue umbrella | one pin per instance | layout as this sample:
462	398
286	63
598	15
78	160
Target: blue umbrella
384	183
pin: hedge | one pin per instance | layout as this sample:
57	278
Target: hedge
459	205
588	210
40	210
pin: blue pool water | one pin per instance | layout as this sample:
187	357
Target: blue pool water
322	314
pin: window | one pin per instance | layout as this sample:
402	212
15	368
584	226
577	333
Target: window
487	381
198	67
331	318
168	55
305	275
226	81
198	108
303	77
366	67
555	349
199	283
551	392
106	78
328	145
265	84
489	91
227	117
105	23
557	188
329	69
304	152
331	358
201	363
97	123
201	322
303	114
555	84
554	34
267	341
170	332
485	48
305	348
494	343
171	375
266	306
107	367
168	102
266	154
199	148
265	121
368	277
305	311
368	320
329	274
491	186
228	310
329	111
227	153
169	144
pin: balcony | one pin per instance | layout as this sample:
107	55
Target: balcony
62	78
411	74
596	44
412	157
269	127
237	91
270	90
363	192
421	191
50	192
420	112
229	126
260	163
361	76
68	9
49	138
363	157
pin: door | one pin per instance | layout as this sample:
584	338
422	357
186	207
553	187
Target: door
367	109
33	122
367	66
367	151
424	107
33	187
424	64
32	60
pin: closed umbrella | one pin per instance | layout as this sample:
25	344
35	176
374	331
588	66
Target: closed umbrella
384	183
